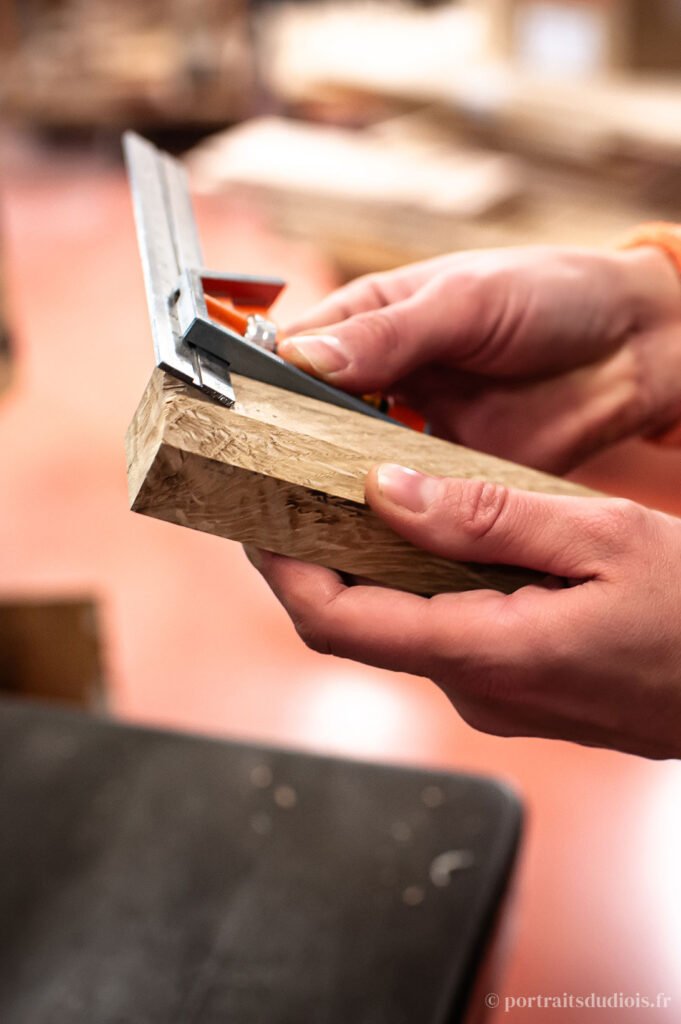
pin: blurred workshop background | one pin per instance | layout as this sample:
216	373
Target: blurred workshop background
325	139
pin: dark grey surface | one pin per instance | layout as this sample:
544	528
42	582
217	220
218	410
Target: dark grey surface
151	878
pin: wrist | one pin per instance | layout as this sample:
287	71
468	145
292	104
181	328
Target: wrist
652	286
654	298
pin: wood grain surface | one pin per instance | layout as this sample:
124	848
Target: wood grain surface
286	473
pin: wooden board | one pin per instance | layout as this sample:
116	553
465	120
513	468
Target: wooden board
286	473
52	650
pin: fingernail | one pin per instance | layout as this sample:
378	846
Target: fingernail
406	487
321	354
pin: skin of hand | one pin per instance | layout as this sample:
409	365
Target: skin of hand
540	355
543	356
596	661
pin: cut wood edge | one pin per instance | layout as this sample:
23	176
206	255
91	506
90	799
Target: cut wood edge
145	435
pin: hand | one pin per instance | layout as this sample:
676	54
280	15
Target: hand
597	662
540	355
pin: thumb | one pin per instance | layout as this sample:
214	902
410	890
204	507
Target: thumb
372	349
480	521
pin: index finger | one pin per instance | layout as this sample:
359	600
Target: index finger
373	291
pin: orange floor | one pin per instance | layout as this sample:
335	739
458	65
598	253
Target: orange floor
194	640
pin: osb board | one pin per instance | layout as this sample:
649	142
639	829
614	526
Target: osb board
287	473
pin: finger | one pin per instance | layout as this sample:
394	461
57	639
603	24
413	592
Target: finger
375	625
371	350
456	318
360	296
372	291
480	521
491	313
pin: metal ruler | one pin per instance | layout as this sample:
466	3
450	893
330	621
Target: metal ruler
189	343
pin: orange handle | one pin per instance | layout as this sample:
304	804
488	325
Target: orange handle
224	312
396	411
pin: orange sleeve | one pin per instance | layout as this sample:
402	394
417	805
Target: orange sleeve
667	237
658	233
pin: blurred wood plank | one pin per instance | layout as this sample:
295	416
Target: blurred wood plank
286	473
90	64
403	188
404	168
449	57
51	650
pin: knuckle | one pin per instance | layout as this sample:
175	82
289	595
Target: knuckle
380	329
469	281
478	506
361	294
616	522
480	295
470	286
373	285
628	513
